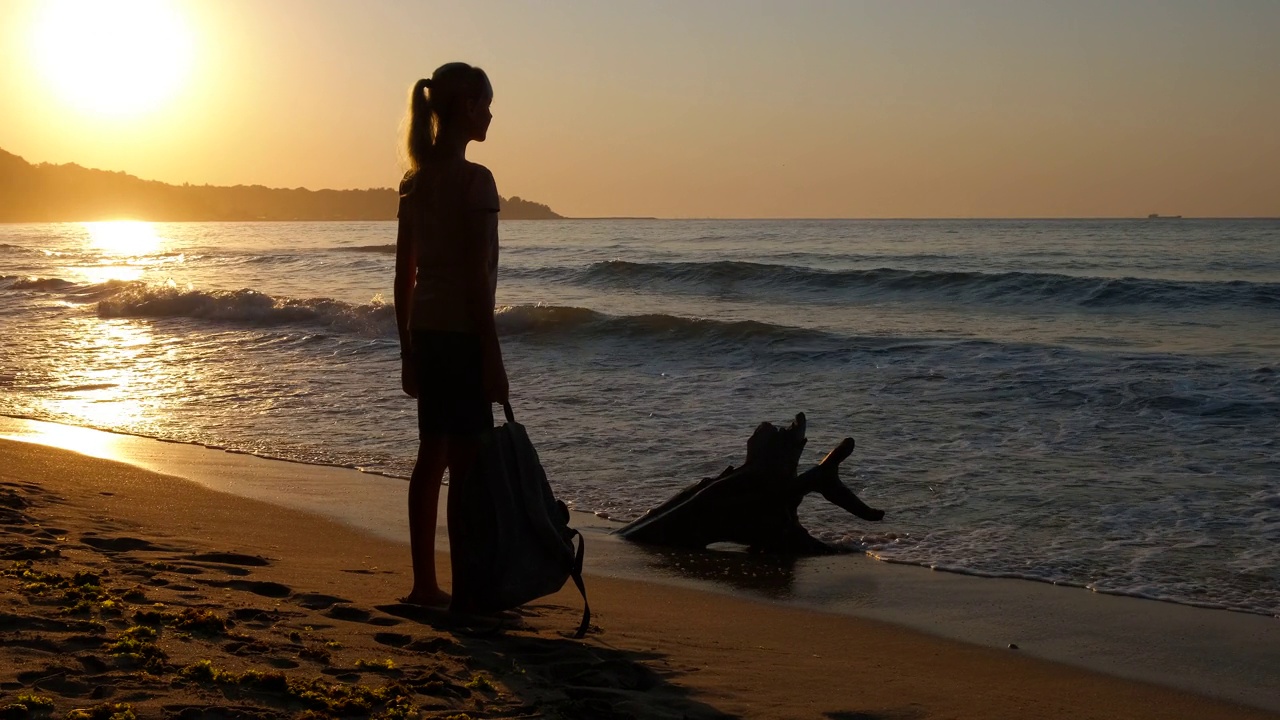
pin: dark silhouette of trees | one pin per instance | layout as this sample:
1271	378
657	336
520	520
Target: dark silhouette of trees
61	193
517	208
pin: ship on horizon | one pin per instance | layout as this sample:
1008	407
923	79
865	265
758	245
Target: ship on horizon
1158	216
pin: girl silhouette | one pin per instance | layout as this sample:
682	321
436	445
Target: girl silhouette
446	277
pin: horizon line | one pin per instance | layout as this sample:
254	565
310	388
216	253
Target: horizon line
933	217
648	217
637	218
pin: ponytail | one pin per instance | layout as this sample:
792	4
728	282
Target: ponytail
422	126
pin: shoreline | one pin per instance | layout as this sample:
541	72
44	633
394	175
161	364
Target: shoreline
1222	654
18	426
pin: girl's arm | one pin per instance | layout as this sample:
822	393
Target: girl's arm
406	278
481	238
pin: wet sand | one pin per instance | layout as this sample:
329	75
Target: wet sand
295	612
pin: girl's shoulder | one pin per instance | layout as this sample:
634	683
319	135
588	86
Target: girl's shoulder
482	190
472	180
408	183
475	172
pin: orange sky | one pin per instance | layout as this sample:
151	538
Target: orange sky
719	108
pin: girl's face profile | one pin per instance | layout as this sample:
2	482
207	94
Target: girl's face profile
479	115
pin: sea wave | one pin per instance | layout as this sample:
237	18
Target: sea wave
1000	288
246	307
250	307
533	323
556	321
126	299
987	288
36	284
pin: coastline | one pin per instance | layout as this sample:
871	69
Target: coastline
1183	649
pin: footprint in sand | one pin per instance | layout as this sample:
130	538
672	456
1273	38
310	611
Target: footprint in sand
348	613
83	642
257	587
93	664
229	558
18	551
54	679
122	544
32	643
10	621
433	645
34	530
395	640
355	614
11	499
216	712
254	615
317	601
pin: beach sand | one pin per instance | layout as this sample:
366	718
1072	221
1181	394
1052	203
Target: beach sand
123	586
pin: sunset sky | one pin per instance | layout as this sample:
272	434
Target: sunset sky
980	108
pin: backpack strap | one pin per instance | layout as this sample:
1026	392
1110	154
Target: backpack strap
576	574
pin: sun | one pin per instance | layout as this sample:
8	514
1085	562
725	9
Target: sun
113	57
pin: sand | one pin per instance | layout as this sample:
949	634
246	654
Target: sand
124	587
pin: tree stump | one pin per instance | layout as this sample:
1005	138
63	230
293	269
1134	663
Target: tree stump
754	505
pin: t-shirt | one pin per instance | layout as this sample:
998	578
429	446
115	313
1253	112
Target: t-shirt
438	202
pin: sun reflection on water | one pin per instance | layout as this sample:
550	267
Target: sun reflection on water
125	246
124	237
112	376
104	372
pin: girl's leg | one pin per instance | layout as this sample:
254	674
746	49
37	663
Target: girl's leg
461	456
424	502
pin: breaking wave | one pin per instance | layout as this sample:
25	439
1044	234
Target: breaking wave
999	288
246	307
123	299
250	307
37	284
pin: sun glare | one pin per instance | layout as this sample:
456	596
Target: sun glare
94	443
123	237
113	58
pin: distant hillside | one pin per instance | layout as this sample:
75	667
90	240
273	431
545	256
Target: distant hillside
59	193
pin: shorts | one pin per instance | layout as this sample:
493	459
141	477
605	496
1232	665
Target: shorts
451	397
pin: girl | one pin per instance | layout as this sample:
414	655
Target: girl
446	277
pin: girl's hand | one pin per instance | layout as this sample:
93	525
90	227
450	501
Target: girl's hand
496	387
408	378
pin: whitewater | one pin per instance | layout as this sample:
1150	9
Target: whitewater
1093	403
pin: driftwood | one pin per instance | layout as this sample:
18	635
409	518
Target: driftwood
754	505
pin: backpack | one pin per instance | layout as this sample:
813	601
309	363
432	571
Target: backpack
509	537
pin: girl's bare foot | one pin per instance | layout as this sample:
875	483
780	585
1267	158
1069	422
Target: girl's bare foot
433	598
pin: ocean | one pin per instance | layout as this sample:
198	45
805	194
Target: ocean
1092	403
